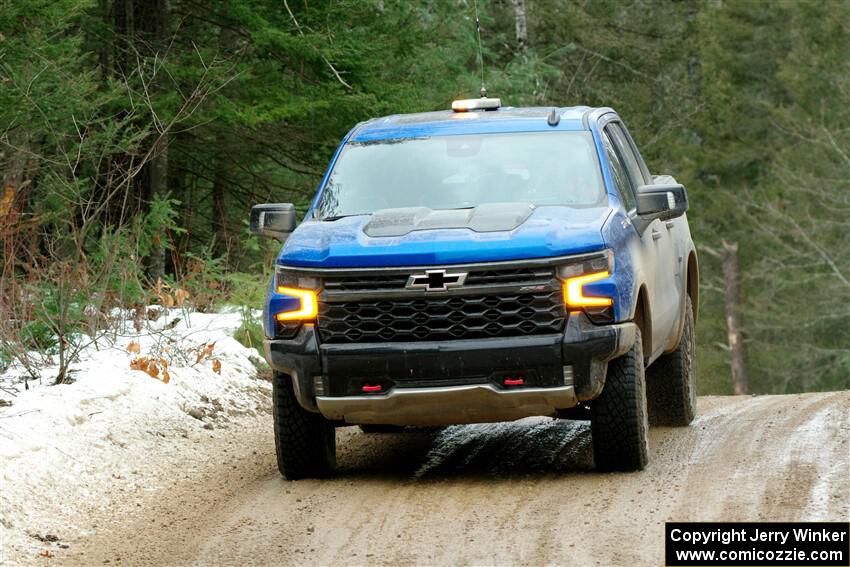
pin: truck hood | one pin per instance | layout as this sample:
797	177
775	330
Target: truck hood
419	236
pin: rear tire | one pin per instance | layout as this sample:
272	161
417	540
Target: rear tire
671	388
305	442
618	422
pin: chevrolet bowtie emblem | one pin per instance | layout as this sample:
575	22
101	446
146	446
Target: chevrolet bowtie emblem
435	280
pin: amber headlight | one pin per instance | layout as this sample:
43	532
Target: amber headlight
574	295
306	308
589	287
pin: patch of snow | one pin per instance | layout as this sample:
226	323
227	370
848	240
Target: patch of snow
59	444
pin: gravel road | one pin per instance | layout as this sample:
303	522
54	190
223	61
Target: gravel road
516	493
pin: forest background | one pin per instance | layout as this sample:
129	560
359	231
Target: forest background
136	134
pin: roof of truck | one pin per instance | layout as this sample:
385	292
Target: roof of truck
448	122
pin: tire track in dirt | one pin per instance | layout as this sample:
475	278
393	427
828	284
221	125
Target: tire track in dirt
514	493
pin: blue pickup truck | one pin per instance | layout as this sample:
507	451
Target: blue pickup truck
482	264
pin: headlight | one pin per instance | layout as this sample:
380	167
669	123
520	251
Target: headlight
305	310
574	291
588	286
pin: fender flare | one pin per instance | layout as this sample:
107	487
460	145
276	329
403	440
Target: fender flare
690	275
641	309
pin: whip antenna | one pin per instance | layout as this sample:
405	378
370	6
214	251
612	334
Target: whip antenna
483	91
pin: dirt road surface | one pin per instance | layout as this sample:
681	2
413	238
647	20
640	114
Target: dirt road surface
517	493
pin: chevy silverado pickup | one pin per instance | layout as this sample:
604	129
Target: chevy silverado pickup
482	264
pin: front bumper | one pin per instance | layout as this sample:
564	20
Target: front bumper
478	403
448	382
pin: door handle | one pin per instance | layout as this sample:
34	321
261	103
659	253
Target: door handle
670	224
655	234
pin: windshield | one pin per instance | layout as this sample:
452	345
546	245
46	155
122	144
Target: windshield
456	172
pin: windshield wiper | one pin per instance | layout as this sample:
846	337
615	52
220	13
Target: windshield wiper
337	217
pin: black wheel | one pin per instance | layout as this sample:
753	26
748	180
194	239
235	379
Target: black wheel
618	422
373	428
671	381
305	442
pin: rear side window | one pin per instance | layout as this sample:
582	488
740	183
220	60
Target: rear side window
621	178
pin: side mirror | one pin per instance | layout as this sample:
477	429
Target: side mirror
661	201
273	220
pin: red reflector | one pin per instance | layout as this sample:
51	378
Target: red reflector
368	388
514	381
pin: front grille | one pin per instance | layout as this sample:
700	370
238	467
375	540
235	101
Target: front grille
444	317
388	282
365	283
522	276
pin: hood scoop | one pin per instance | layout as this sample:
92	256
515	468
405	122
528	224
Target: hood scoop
491	217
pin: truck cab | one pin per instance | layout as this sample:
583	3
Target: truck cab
482	264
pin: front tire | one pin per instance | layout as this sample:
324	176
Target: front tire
305	442
671	387
618	423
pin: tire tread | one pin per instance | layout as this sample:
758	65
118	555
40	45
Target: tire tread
304	441
618	416
671	379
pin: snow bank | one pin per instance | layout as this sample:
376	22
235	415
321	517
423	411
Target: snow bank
59	445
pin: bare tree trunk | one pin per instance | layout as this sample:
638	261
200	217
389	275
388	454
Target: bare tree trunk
221	183
219	199
521	32
159	188
104	49
153	35
13	183
732	299
8	241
